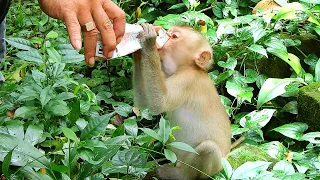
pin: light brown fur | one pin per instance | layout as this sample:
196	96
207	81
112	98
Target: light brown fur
174	80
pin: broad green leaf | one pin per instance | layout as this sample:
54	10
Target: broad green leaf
28	94
96	126
236	130
317	29
276	48
57	69
223	76
291	107
52	35
171	156
272	88
151	133
54	56
258	49
6	164
33	134
250	76
285	167
64	96
15	128
31	56
250	169
38	77
312	137
71	58
176	6
288	11
257	33
131	127
183	146
57	108
123	109
257	118
294	130
164	131
294	62
69	134
26	111
317	72
45	95
226	167
74	114
21	43
24	153
231	63
129	157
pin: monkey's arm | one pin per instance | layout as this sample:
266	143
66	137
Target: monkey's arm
161	95
138	85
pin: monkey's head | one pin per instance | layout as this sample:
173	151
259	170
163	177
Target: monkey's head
186	47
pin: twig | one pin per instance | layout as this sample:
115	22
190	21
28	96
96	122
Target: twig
206	9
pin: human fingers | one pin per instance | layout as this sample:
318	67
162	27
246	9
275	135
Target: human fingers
118	16
105	28
89	37
74	30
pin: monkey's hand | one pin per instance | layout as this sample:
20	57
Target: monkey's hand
148	37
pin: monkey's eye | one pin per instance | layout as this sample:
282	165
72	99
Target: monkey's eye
174	36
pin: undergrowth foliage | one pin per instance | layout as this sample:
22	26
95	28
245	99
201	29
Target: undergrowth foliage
60	119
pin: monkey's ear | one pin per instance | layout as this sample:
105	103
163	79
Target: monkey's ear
203	60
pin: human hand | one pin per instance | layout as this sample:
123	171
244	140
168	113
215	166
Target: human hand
76	13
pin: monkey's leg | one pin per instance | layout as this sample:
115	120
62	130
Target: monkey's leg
208	161
169	172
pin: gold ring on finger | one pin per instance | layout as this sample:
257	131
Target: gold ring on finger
89	26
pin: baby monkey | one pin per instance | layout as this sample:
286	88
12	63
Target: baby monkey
174	80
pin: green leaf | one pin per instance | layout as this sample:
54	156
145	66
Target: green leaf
45	95
71	58
15	128
288	11
294	62
52	35
176	6
294	130
38	77
257	118
75	111
6	164
129	157
151	133
226	167
69	134
57	108
96	126
291	107
258	49
312	137
24	153
28	94
21	43
54	56
64	96
171	156
285	167
25	112
123	109
317	72
231	63
165	130
223	76
276	48
250	169
57	69
183	146
31	56
131	127
257	31
272	88
33	134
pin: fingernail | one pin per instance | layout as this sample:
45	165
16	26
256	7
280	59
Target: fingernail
110	55
78	44
91	61
119	40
